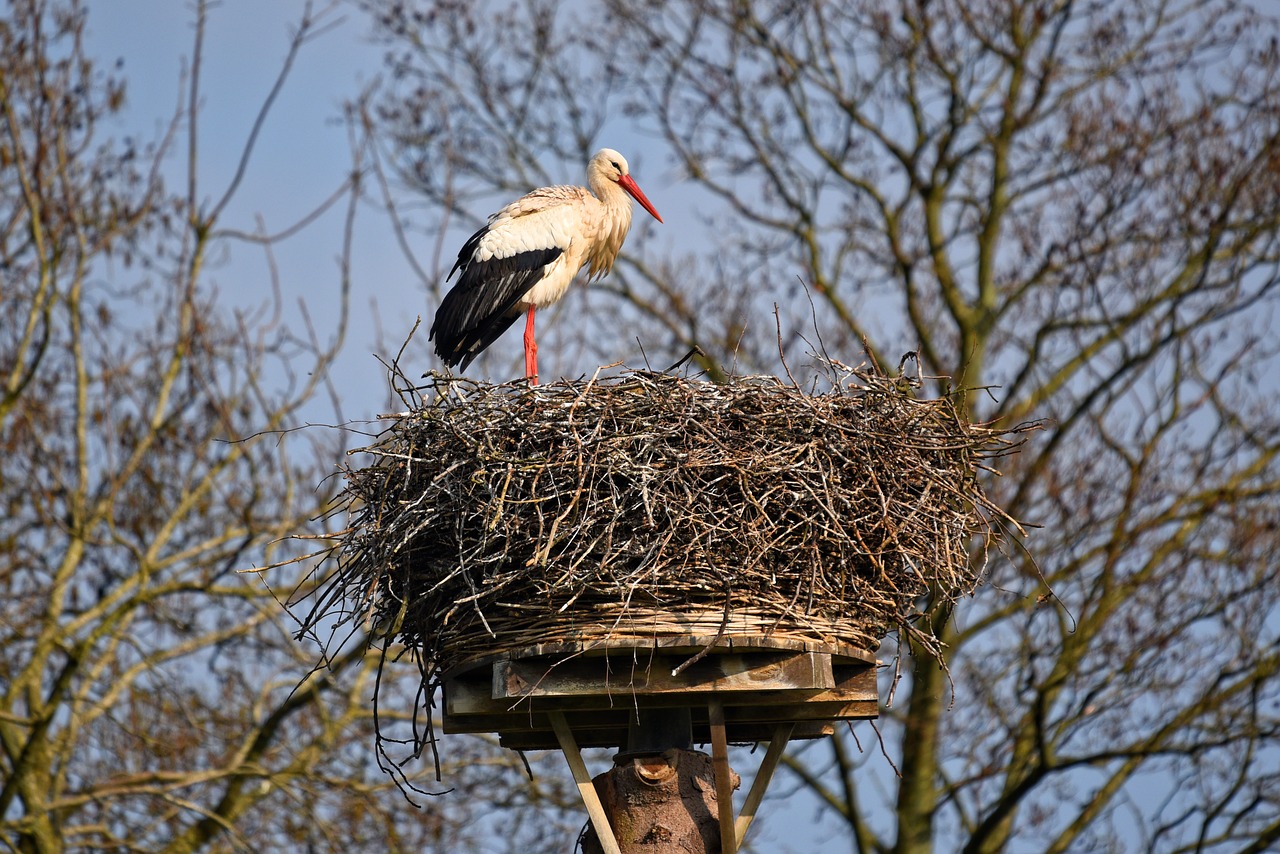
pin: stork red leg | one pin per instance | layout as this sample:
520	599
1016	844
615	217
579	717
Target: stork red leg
530	351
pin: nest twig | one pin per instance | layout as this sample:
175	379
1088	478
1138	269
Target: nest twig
494	517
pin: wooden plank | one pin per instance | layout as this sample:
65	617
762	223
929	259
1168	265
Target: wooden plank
472	696
653	675
737	715
744	713
464	696
580	721
772	756
461	704
724	780
858	678
615	738
544	740
586	788
853	710
643	644
601	712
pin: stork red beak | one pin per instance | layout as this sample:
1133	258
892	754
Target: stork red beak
628	183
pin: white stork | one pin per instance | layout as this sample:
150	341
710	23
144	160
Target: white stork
528	254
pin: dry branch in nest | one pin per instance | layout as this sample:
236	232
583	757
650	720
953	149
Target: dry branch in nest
490	518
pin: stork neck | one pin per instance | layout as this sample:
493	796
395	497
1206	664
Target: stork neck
612	226
617	204
607	191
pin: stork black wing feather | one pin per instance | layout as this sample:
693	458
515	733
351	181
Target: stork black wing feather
482	305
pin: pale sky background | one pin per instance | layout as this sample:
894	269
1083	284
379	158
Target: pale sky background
301	156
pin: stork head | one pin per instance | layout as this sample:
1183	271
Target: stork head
612	166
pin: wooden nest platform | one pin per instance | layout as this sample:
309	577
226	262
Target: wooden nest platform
663	512
602	689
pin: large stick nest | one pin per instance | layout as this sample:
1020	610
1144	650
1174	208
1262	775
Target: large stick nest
490	518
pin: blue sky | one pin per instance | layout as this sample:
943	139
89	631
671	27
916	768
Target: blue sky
301	156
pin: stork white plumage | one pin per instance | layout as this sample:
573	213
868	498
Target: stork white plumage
527	256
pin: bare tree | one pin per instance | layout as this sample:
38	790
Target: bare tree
1072	210
152	696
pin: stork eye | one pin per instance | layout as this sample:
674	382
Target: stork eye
615	165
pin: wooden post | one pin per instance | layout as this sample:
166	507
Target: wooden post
662	802
724	785
781	735
644	800
585	787
658	795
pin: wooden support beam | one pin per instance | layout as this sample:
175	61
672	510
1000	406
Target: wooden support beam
760	718
724	779
781	735
613	738
472	694
641	647
586	788
620	677
600	696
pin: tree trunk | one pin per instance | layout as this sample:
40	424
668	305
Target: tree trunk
664	802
